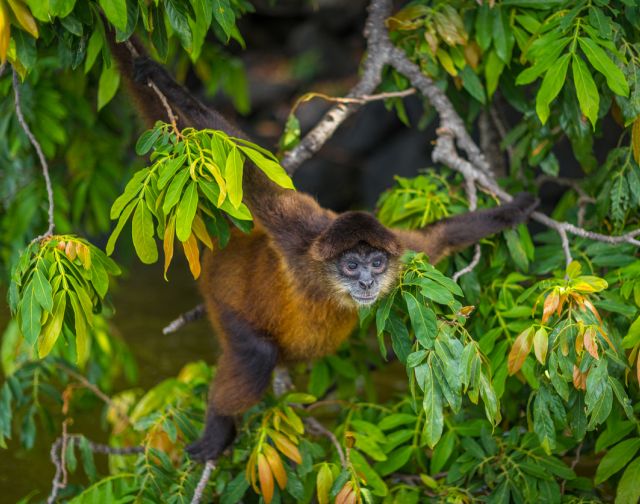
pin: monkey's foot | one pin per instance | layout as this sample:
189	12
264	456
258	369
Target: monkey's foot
219	433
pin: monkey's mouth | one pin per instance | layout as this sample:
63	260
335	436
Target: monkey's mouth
364	300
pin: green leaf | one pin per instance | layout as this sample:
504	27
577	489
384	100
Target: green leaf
169	169
142	234
484	28
442	452
107	85
233	176
423	320
472	84
53	327
628	488
586	89
30	313
146	141
82	332
547	57
516	250
179	20
116	12
174	191
395	420
616	458
551	85
270	168
42	290
235	489
186	211
395	460
96	42
432	404
603	64
131	190
124	217
502	34
543	424
492	72
224	16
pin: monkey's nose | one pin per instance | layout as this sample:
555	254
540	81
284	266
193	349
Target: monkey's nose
366	284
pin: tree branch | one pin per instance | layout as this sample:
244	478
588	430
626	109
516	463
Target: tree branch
43	161
475	169
202	483
57	454
191	316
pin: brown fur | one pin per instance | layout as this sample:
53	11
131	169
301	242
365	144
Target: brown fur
273	295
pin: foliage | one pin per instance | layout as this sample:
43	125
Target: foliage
194	181
552	350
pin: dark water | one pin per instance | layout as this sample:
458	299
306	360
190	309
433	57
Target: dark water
144	303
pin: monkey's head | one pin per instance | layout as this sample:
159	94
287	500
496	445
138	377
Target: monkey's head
360	257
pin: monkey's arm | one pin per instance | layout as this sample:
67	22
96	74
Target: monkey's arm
292	219
455	233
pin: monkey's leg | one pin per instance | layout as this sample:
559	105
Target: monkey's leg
243	374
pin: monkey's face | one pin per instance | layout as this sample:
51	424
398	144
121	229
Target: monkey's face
364	273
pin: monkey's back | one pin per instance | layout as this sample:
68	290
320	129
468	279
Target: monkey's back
250	277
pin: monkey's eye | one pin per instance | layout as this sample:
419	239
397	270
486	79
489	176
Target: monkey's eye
377	263
352	265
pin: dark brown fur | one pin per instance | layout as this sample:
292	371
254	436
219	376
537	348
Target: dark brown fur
270	295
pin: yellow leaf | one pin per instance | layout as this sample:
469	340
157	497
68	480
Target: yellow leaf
167	243
200	230
635	139
266	478
324	482
5	32
550	304
24	17
275	462
540	344
192	252
590	342
250	472
84	254
519	351
579	379
286	447
70	250
344	495
215	171
446	62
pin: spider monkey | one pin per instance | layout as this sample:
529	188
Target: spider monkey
290	290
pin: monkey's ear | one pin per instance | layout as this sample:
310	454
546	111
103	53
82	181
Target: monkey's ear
349	229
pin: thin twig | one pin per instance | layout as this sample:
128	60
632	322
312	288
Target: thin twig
477	254
36	146
574	463
163	99
202	484
316	427
192	315
99	393
58	451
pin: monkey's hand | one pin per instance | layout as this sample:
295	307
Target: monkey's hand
219	433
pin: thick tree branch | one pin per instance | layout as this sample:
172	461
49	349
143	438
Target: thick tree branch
43	160
475	169
378	46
